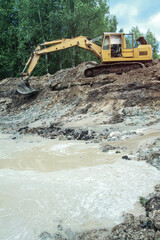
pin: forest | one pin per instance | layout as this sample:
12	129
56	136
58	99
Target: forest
26	23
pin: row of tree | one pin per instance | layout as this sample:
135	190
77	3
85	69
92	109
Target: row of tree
150	38
26	23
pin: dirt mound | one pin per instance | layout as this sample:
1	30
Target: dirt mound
68	96
147	79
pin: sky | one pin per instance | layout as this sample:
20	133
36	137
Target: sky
142	13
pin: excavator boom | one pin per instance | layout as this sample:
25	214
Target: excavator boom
52	46
117	55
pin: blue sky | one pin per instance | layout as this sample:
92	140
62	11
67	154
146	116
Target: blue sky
142	13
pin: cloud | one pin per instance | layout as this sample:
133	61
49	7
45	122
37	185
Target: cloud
122	9
144	14
153	25
130	16
126	15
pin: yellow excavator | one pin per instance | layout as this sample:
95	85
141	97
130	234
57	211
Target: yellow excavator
116	53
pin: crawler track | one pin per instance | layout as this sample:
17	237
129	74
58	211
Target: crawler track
117	68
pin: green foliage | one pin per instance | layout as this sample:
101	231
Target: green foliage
150	38
26	23
8	38
143	201
136	34
121	30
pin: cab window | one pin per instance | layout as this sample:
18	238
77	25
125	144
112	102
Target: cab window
129	41
106	43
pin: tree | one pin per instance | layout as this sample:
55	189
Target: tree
136	34
113	23
150	38
26	23
8	38
121	30
89	18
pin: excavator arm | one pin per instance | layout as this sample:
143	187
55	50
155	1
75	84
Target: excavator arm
52	46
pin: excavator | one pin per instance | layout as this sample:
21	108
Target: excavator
115	52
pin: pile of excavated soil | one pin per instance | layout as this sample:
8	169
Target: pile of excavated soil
69	94
67	101
137	87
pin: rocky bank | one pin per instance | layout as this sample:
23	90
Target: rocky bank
109	109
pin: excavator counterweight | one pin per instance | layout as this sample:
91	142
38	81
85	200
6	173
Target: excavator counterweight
116	53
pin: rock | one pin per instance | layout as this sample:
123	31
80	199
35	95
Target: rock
45	236
85	110
59	236
107	148
157	188
59	227
115	135
146	223
138	228
128	217
152	204
117	118
118	152
126	157
157	235
155	217
150	153
100	234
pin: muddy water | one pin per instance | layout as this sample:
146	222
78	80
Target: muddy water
46	183
48	155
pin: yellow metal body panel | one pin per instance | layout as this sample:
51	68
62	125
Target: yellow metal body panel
104	52
58	45
80	41
141	53
127	53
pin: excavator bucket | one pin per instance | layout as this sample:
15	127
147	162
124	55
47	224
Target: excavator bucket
25	88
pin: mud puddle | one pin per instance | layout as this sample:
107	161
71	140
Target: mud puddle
46	155
49	183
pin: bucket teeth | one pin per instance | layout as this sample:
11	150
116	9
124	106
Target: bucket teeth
25	88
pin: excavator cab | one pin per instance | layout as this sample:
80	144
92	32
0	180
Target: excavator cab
117	45
117	55
112	46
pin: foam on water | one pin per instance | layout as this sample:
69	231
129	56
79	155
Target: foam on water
33	202
44	183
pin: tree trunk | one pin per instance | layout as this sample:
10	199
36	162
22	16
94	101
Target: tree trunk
40	20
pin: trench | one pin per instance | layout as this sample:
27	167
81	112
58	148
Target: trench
46	183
